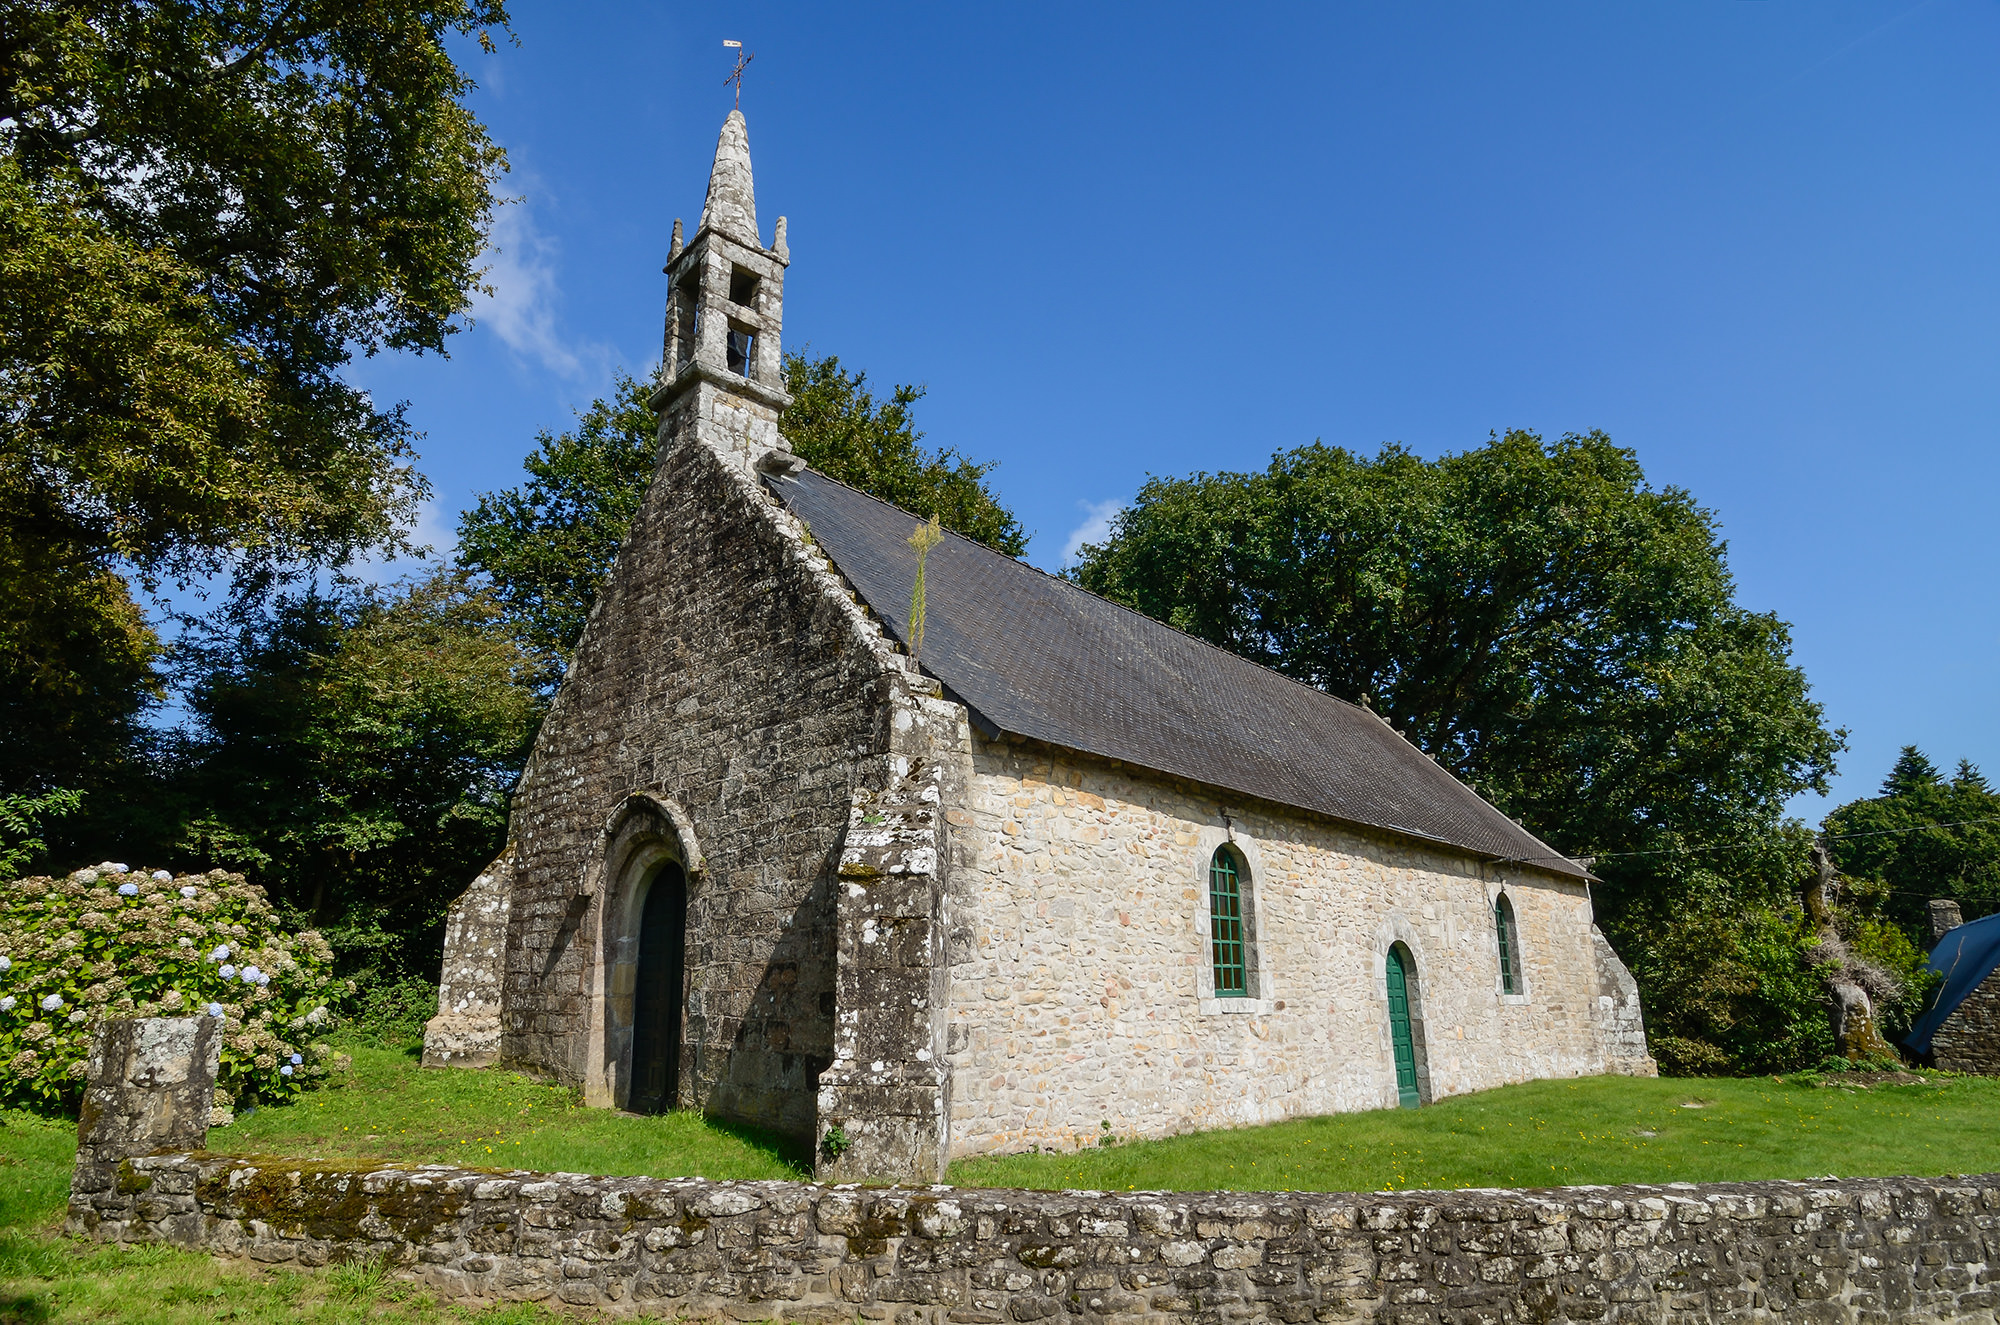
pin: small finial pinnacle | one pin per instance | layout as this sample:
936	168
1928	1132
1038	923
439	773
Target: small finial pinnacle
674	248
778	245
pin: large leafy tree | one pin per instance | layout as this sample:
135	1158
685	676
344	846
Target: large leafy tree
1923	835
351	750
205	212
546	545
1559	634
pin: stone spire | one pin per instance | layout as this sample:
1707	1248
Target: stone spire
722	367
732	199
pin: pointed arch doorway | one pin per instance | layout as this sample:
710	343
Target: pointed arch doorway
658	993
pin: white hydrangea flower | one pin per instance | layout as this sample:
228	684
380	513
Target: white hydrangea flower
6	965
52	1002
188	891
7	1003
162	876
128	890
184	941
114	869
228	971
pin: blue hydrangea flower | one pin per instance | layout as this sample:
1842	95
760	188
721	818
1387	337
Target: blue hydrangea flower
286	1069
249	974
298	1058
188	891
228	971
161	876
215	1010
221	953
128	890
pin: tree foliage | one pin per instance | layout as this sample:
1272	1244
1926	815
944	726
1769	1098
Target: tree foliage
352	751
837	427
1923	835
205	212
547	545
1560	635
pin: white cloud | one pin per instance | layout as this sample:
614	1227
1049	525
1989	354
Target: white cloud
435	536
521	268
1096	527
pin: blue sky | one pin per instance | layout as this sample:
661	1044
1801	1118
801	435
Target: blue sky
1756	240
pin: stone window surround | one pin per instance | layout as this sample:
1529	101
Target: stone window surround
1261	999
1494	893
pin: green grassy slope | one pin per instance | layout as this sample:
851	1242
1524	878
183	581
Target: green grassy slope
1602	1130
1562	1133
389	1108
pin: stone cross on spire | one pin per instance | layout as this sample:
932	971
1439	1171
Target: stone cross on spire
732	198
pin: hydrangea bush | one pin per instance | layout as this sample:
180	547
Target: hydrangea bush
113	942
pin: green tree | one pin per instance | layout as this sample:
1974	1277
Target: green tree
837	427
1553	630
352	751
1923	835
546	546
205	212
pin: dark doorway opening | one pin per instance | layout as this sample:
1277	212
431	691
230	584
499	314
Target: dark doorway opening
656	999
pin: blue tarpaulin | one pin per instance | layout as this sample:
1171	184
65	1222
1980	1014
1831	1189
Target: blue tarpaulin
1964	957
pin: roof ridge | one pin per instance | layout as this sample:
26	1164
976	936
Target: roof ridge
1130	611
1145	623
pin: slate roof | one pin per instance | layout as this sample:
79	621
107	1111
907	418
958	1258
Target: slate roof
1036	656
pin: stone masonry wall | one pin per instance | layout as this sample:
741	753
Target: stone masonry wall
1860	1250
1081	984
1969	1039
724	671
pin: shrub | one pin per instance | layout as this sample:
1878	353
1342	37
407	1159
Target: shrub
112	942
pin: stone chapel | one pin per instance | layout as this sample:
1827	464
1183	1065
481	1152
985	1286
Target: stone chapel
1071	874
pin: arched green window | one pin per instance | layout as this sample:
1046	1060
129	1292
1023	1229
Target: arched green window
1227	941
1510	945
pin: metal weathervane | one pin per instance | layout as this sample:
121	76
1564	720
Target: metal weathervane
736	74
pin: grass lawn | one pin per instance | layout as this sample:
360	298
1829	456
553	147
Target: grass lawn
1563	1133
1602	1130
389	1108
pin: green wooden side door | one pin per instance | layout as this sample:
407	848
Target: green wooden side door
1399	1030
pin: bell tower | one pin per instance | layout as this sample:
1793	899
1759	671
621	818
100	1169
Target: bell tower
721	366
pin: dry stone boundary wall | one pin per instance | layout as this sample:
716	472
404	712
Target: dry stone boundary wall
1860	1250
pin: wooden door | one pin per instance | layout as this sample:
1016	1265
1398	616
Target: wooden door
656	1011
1399	1029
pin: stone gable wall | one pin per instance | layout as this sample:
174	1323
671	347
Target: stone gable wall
1969	1039
725	672
1859	1250
1081	987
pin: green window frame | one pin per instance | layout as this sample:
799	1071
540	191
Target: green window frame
1510	952
1228	942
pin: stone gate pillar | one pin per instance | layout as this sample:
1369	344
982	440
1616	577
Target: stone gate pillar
151	1085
